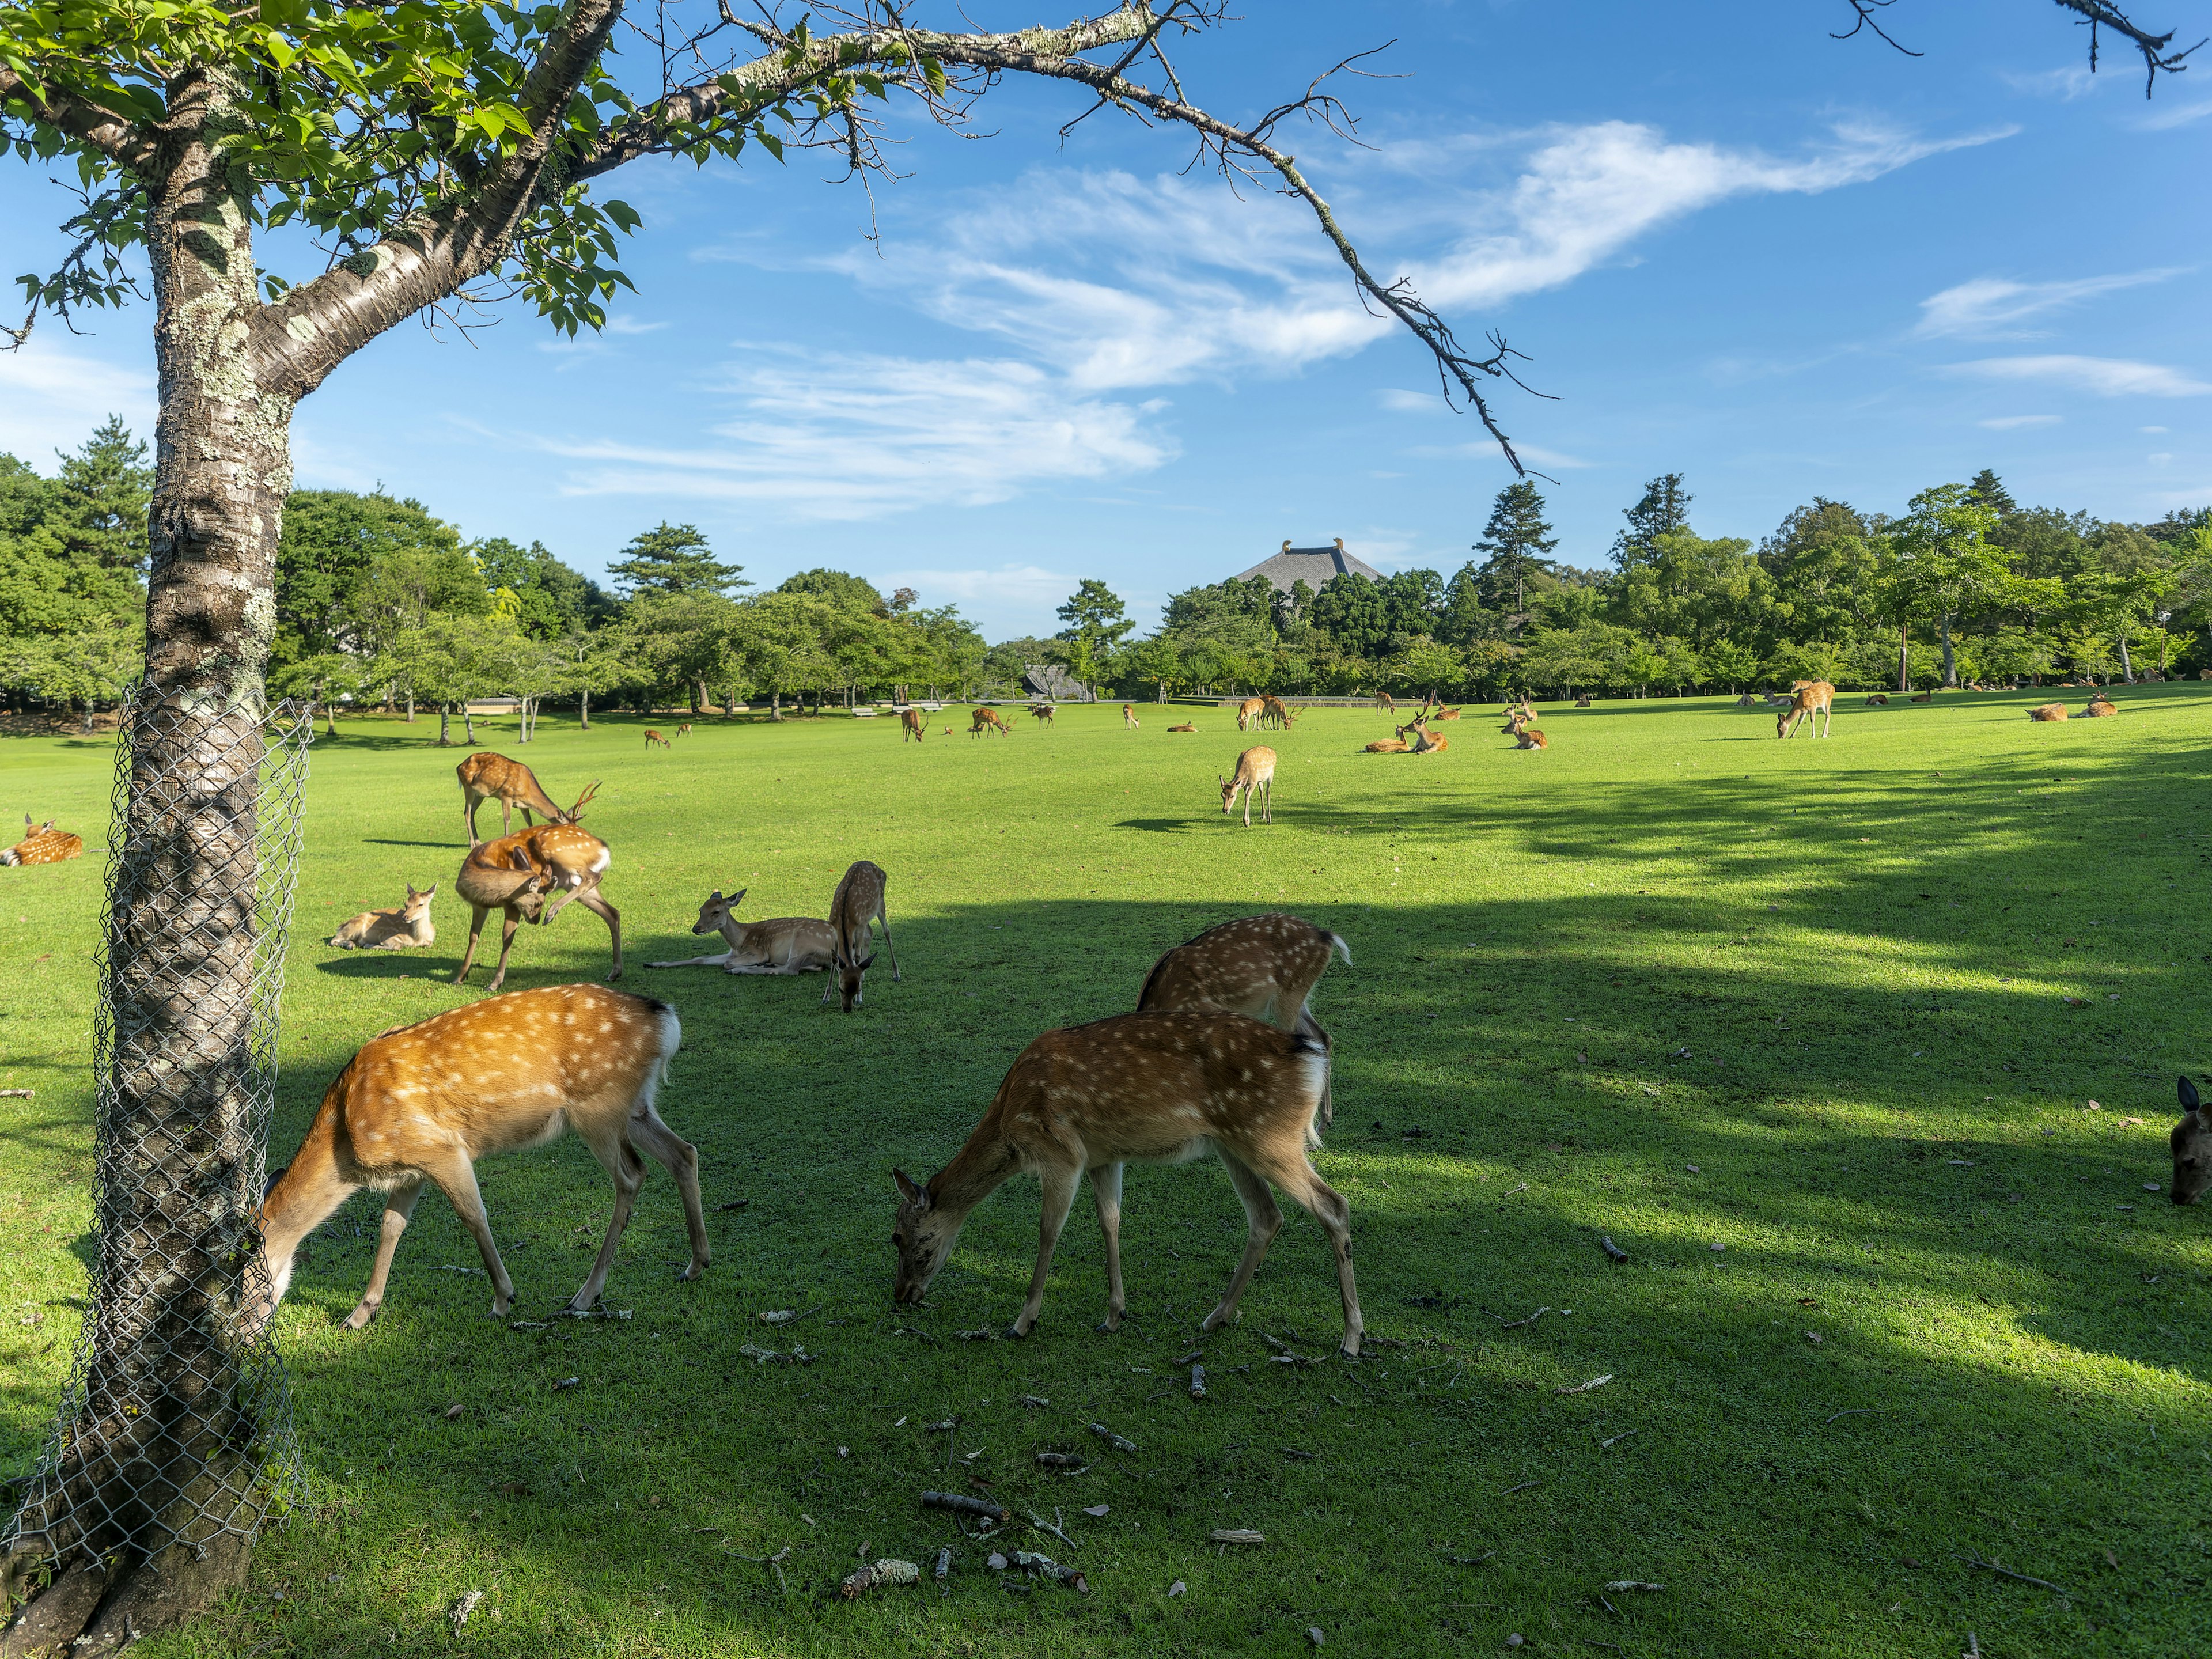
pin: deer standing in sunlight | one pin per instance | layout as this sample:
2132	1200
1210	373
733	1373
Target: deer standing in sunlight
987	719
425	1101
1042	713
1129	721
911	725
780	944
488	776
44	845
514	875
1256	773
652	737
1382	701
858	901
1248	713
1813	702
397	929
1161	1087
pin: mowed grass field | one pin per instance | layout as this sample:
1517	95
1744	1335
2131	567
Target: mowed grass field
1672	982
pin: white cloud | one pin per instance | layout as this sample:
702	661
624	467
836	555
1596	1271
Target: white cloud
2074	81
1987	306
2175	115
2151	429
2107	377
2008	423
2158	460
1024	588
855	437
52	398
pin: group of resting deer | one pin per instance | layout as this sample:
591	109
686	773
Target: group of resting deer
1222	1055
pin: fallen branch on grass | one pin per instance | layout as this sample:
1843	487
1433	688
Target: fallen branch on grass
2007	1572
1523	1486
1584	1388
1855	1411
961	1504
1516	1324
1198	1381
772	1563
1238	1536
1056	1527
1117	1442
1612	1249
1070	1460
1619	1584
881	1572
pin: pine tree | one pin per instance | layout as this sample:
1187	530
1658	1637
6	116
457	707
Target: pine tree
1516	538
1988	489
673	558
104	490
1665	509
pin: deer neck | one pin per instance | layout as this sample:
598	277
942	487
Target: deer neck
977	1170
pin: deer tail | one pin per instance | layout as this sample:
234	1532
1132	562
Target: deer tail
1337	943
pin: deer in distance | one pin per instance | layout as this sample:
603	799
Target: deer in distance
858	901
1278	715
1186	727
911	725
1529	738
1382	701
396	929
1248	713
987	719
44	845
1129	721
513	874
652	737
684	729
489	777
1815	700
1042	713
425	1101
780	944
1163	1087
1265	966
2048	711
1255	773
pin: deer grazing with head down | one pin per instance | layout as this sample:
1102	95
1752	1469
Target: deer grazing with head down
43	845
780	944
1813	700
488	776
1263	966
858	901
1161	1087
1248	713
425	1101
514	874
987	719
1256	773
911	725
396	929
1129	721
652	737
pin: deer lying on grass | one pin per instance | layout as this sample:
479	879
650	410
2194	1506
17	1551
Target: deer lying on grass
1248	713
1443	714
2048	711
1129	720
44	845
911	725
1530	738
1426	742
408	924
652	737
858	901
1256	772
489	777
1264	967
513	874
1187	726
2191	1142
1877	700
781	944
1583	701
1925	696
1814	700
987	719
423	1102
2099	708
1385	746
1160	1087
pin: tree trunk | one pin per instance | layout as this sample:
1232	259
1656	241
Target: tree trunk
1950	664
1903	656
410	705
445	726
776	706
2127	665
587	712
469	722
151	1512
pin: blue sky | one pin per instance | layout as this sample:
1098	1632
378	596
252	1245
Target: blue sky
1782	265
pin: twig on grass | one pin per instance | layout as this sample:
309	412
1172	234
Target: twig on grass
1855	1411
1975	1560
772	1563
1523	1486
1516	1324
1612	1249
961	1504
1058	1522
1584	1388
1072	1462
1616	1439
1117	1442
1522	1187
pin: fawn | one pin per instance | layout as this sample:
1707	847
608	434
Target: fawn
684	729
488	776
425	1102
781	944
1042	713
1530	738
1161	1087
858	900
410	924
44	845
513	874
1256	772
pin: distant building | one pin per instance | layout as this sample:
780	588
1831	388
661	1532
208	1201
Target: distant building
1050	680
1314	565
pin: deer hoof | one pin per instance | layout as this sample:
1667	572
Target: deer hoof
1348	1351
1018	1333
363	1316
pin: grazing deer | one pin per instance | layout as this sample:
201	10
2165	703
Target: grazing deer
1042	713
1281	715
1160	1087
652	737
1129	721
2191	1141
911	725
392	930
1187	726
781	944
1382	701
1248	713
1877	700
1256	772
2099	708
987	719
858	901
1265	966
1815	700
425	1101
1530	738
684	729
2048	711
1583	701
513	874
44	845
1385	746
488	776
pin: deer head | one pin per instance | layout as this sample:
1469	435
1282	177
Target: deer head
849	974
1228	790
924	1237
2191	1141
529	899
716	911
418	904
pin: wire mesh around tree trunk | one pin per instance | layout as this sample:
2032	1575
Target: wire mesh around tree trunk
176	1426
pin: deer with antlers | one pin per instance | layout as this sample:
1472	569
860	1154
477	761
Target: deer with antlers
44	845
1161	1087
514	874
780	944
489	777
1278	715
1256	773
858	901
1811	700
425	1101
987	719
911	725
397	929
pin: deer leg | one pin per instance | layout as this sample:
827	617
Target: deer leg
468	805
476	914
508	922
506	817
1267	807
1059	1198
590	899
681	1159
1106	1193
457	1180
626	1170
1263	1220
884	916
1327	1206
398	1205
719	961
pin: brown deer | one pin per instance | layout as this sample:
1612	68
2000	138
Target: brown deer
1385	746
780	944
488	776
1583	701
652	737
408	924
911	725
1160	1087
1256	773
1877	700
1187	726
1426	742
423	1102
1263	966
1042	713
2191	1143
1443	714
2048	711
1925	696
1382	701
2099	708
684	729
858	901
44	845
1530	738
1248	713
513	874
987	719
1129	721
1815	700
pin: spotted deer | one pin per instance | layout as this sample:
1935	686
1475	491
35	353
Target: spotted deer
43	845
652	737
987	719
911	725
489	777
514	874
1263	966
858	901
425	1101
397	929
1813	703
1530	738
1256	775
1161	1087
780	944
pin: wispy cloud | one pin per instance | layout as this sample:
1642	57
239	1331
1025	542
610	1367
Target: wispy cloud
2107	377
2012	422
2174	115
52	396
1988	306
2074	81
1010	586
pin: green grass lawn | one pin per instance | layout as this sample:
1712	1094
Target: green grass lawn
1672	981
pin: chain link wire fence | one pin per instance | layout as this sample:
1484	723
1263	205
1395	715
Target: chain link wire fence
175	1426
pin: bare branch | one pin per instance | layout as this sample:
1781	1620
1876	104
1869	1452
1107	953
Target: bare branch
2157	54
1867	20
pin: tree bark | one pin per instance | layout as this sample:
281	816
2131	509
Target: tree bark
1903	656
445	726
2127	663
587	712
1950	663
410	706
469	722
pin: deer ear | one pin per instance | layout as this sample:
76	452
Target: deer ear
431	891
411	894
517	858
867	962
908	1191
2187	1090
739	894
715	897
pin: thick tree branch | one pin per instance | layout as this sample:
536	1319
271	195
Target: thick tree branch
2156	49
121	140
